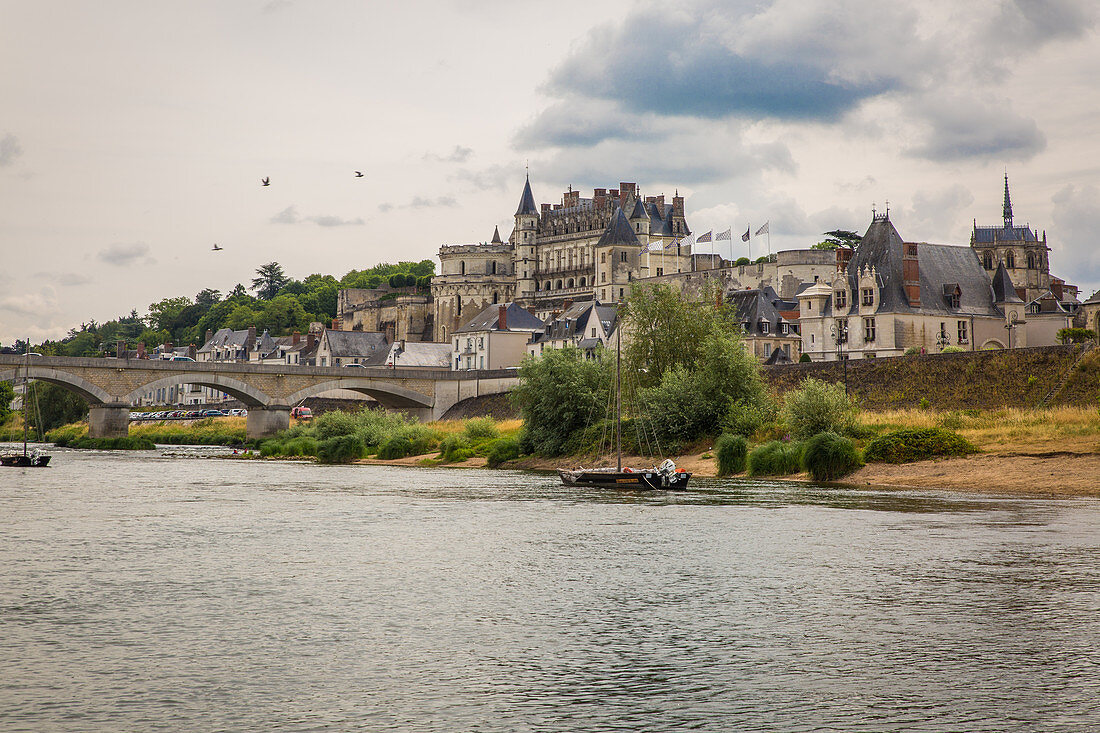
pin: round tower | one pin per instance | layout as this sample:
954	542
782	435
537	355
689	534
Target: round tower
525	242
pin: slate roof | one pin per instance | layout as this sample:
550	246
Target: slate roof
757	306
527	200
990	235
639	211
618	232
1003	289
355	343
418	354
579	318
882	248
519	319
224	337
496	236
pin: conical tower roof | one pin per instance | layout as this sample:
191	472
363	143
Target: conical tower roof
639	210
1003	289
527	200
496	236
618	232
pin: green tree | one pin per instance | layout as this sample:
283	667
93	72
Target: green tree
207	298
241	318
7	394
1075	335
269	280
838	238
56	405
548	420
283	314
163	314
818	407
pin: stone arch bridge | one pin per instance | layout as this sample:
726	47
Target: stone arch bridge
110	386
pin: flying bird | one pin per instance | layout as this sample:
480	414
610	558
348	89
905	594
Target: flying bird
216	248
358	174
266	181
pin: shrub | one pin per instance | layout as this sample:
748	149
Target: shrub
906	446
818	407
454	449
924	403
396	446
125	442
951	420
746	416
828	456
341	449
374	426
804	358
501	450
480	428
952	350
912	351
270	448
732	451
300	446
334	423
777	458
1075	335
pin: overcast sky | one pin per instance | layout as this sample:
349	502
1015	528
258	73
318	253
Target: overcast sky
133	135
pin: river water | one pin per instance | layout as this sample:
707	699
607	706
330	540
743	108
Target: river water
179	591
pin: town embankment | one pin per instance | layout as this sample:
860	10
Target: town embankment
969	380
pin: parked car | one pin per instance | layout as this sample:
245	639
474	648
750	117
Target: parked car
301	413
361	366
238	412
182	358
213	413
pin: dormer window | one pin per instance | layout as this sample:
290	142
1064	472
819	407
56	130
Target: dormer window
763	327
842	299
867	296
955	299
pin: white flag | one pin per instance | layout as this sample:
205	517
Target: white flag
726	235
763	229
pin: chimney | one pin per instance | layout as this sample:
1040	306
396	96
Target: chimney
565	306
502	318
191	350
661	204
141	350
166	350
251	343
678	205
910	273
296	338
311	339
209	335
389	333
545	209
614	193
120	349
335	324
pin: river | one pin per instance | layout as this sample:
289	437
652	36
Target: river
179	591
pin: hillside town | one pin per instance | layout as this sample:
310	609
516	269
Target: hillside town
560	275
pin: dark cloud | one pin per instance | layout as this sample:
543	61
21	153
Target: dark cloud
459	155
123	255
965	128
584	122
1041	21
1076	219
10	150
290	215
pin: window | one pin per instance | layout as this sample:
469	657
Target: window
1030	261
1010	259
764	327
603	276
955	299
660	271
964	336
767	349
622	256
593	332
868	329
469	344
603	257
912	250
868	296
482	361
461	268
620	293
987	260
842	299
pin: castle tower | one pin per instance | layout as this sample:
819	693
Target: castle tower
1023	252
525	241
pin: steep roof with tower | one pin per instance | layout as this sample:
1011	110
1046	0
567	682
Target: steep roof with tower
619	233
1006	233
527	200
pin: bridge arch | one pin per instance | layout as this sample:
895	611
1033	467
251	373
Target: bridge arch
92	394
387	393
243	391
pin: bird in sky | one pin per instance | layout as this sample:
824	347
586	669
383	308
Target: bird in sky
266	181
358	174
216	248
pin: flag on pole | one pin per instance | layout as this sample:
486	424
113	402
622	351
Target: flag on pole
675	243
726	235
703	237
763	229
746	235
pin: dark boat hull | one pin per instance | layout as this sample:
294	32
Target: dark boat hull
624	480
20	461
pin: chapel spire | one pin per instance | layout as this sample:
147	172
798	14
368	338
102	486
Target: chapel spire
1008	205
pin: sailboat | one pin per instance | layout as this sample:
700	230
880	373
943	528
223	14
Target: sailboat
36	458
663	476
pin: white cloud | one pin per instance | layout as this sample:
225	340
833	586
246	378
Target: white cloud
124	255
10	150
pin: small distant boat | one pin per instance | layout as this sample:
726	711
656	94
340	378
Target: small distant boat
36	458
663	476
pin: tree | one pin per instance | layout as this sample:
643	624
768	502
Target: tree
548	420
163	314
269	280
241	318
7	394
56	405
237	291
283	314
838	238
207	298
1075	335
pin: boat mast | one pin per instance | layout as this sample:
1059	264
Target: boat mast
618	395
26	392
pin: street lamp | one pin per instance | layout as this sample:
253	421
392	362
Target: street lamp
943	339
1013	321
840	337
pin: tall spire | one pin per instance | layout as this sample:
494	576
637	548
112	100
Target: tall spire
527	200
496	236
1008	205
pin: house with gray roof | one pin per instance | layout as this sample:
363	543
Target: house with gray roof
494	339
895	295
768	323
586	325
341	348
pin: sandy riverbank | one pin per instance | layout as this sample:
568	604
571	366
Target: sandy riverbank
1050	474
